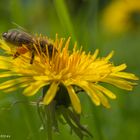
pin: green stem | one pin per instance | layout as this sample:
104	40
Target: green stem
47	111
49	122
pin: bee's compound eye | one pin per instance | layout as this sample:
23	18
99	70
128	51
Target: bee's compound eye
4	34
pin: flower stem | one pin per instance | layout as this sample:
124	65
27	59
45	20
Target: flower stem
49	122
48	115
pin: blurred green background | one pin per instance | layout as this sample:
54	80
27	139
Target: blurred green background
93	24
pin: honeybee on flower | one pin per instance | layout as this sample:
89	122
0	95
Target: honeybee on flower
77	68
26	42
62	75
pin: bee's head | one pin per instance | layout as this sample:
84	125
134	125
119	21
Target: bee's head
4	35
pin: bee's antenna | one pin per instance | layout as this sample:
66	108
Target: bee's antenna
20	27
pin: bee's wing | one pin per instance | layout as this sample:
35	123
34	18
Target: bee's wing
19	27
23	37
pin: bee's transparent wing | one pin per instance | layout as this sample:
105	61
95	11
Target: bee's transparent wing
19	27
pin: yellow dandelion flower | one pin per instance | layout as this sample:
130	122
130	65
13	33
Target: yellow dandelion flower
72	70
121	16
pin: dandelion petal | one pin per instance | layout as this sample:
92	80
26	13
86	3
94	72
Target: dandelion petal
91	93
103	99
74	99
33	88
106	91
123	84
12	82
125	75
50	94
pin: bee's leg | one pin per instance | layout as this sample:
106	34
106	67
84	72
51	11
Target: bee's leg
16	55
32	57
20	50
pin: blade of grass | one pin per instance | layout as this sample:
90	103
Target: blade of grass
64	17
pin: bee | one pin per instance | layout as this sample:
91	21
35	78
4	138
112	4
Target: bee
21	39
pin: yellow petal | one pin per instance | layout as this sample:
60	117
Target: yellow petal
33	88
74	99
91	93
11	89
5	62
94	56
119	68
105	91
125	75
5	58
103	99
8	74
109	55
120	83
50	94
42	78
13	82
4	46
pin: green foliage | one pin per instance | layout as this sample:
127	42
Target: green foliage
79	19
